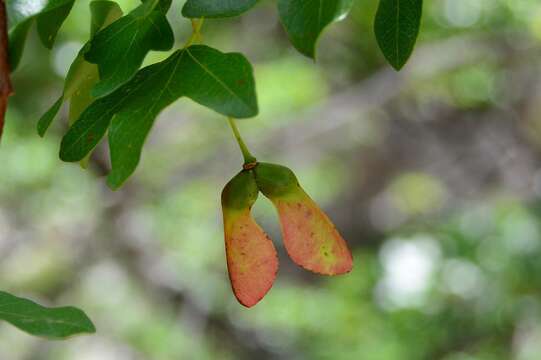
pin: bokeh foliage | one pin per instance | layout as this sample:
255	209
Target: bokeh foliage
431	174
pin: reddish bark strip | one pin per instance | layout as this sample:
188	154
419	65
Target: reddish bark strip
5	83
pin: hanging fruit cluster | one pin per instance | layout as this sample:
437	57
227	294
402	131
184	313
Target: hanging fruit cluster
309	236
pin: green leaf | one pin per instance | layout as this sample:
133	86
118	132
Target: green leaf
55	323
216	9
305	20
222	82
50	20
397	26
103	14
47	118
82	76
49	15
120	48
17	39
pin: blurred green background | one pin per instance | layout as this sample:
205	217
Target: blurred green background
433	175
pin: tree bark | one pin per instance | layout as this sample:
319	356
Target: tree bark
5	83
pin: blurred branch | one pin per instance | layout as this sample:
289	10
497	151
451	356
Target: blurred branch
461	153
349	105
5	82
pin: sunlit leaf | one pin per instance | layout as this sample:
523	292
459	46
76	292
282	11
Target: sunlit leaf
55	323
304	20
82	75
102	14
397	26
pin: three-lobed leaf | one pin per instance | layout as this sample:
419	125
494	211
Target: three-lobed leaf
305	20
396	27
219	81
120	48
216	9
54	323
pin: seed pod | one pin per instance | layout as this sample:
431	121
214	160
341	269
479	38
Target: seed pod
310	238
252	261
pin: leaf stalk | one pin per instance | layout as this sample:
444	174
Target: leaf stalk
196	36
249	159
